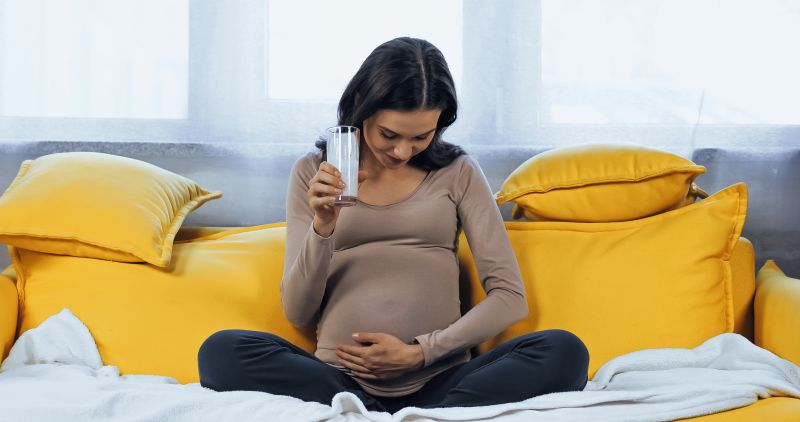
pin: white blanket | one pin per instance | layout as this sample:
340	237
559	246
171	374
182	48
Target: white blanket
54	372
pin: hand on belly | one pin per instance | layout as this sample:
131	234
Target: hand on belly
384	356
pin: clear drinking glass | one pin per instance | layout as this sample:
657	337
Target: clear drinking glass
342	152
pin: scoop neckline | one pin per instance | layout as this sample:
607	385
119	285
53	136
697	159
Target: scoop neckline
406	199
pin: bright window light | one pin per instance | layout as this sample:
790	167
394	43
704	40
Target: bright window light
94	58
316	46
671	61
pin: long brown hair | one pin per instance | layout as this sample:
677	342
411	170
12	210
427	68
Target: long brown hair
404	74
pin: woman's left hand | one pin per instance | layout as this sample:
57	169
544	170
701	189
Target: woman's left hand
387	357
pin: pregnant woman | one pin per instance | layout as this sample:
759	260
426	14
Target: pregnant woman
379	280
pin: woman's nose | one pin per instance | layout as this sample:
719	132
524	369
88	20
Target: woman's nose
402	152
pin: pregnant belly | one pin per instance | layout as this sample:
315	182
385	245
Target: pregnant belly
395	298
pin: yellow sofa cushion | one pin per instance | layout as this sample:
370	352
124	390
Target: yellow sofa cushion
151	320
777	312
8	312
659	281
600	183
97	205
773	409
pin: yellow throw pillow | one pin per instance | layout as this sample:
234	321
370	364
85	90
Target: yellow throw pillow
598	183
151	320
695	193
659	281
98	205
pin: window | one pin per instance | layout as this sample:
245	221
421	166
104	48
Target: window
670	62
94	58
682	73
315	47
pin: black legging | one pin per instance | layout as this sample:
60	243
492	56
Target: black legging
526	366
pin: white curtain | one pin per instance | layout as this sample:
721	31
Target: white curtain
674	73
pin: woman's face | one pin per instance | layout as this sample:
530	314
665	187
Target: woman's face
394	136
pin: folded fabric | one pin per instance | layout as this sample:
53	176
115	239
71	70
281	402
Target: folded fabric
62	338
725	372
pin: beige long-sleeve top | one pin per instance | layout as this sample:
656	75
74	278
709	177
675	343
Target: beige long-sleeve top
394	269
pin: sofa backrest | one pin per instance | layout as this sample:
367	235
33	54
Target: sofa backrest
742	267
254	177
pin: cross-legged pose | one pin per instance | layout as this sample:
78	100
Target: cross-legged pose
380	280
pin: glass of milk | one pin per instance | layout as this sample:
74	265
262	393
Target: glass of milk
342	152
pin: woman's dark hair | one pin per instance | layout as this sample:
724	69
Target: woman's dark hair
404	74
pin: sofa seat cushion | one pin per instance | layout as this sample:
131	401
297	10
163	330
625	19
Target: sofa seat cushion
151	320
772	409
660	281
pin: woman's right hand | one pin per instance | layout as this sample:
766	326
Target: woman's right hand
322	190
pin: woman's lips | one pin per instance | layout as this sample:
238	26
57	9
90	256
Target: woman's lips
395	161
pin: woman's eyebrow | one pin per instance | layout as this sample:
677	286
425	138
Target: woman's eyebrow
391	132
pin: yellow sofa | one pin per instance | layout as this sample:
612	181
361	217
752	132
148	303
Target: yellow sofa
767	312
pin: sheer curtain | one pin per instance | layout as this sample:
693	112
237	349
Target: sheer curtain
229	93
529	72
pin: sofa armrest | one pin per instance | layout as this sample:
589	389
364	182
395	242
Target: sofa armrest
777	312
8	311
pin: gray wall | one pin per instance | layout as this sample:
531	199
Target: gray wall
253	179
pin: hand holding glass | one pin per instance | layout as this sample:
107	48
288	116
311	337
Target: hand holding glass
342	153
